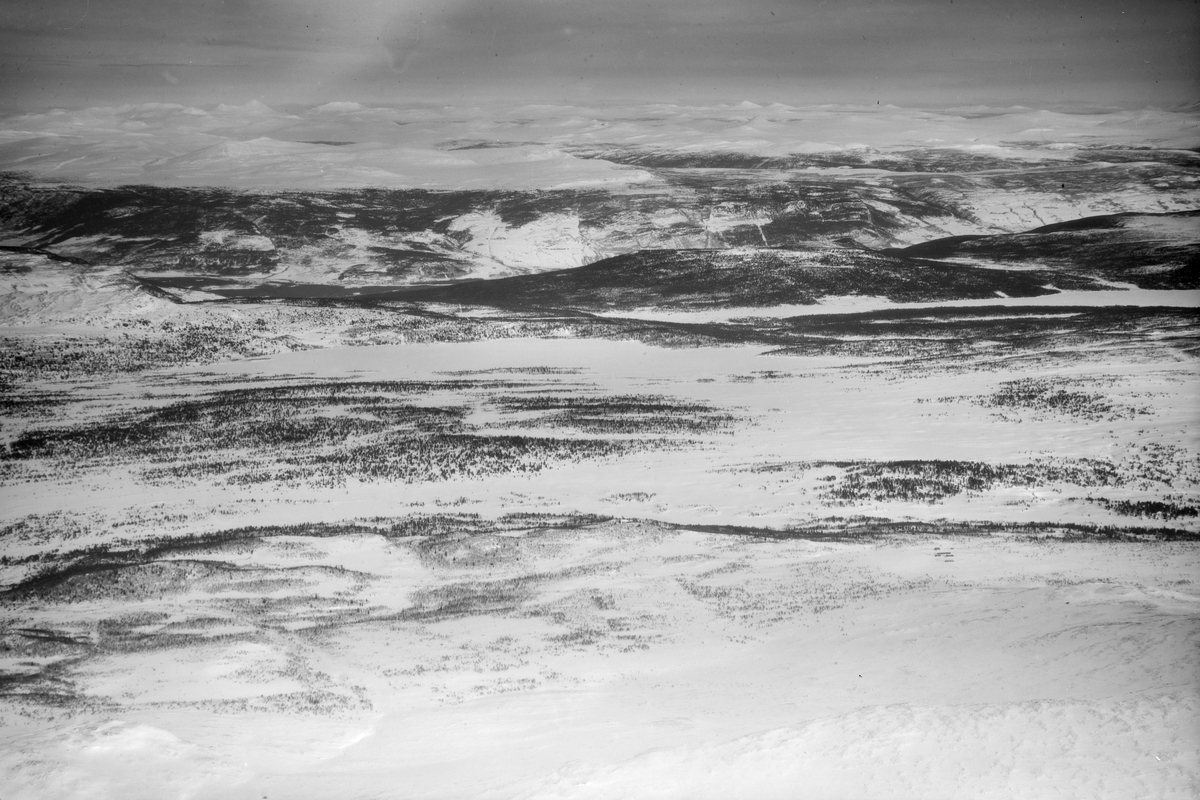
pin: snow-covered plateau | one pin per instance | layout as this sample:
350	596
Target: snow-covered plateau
729	452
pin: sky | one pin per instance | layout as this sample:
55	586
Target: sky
923	53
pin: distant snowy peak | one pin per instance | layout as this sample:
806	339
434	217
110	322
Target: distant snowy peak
340	108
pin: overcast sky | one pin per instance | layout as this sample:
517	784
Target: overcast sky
1050	53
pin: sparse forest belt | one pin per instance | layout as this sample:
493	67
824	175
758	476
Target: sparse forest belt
327	432
1158	469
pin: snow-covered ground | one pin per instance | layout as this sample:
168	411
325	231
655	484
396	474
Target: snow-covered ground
631	661
336	548
612	657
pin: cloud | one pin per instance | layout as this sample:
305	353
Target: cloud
793	50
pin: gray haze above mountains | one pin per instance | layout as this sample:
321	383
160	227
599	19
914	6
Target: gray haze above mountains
912	52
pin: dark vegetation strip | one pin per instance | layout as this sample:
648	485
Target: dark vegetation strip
619	414
930	481
1050	395
1150	509
870	528
258	417
173	563
103	559
437	457
328	432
